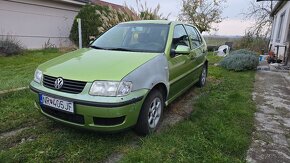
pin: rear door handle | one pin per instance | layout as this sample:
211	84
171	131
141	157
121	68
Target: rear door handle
192	57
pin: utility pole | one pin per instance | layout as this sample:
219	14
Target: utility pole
80	33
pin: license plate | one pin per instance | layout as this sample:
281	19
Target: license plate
57	103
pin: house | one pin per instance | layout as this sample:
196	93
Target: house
38	22
280	34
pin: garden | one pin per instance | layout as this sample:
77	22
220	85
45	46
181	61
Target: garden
218	130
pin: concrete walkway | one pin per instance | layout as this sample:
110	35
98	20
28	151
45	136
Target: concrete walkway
271	137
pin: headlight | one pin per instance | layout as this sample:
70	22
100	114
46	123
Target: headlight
110	88
38	76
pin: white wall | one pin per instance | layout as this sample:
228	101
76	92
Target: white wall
284	29
34	22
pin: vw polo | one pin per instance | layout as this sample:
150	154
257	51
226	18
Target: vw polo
125	78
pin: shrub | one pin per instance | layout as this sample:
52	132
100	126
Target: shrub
243	51
96	20
254	43
240	60
10	46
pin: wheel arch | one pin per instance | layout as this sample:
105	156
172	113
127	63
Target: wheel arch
162	88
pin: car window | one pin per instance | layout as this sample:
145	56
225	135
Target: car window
134	37
180	37
194	36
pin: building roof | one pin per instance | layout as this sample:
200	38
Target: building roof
103	3
277	7
74	2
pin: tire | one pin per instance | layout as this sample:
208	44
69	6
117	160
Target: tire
151	113
202	78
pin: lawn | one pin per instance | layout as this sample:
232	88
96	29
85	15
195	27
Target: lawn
17	71
218	40
219	129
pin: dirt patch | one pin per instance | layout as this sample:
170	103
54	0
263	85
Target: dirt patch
270	141
177	111
13	90
12	133
15	137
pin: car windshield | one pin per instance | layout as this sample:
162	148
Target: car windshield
134	37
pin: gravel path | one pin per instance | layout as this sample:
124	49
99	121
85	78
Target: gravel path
271	137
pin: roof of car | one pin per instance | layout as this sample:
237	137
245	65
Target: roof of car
151	22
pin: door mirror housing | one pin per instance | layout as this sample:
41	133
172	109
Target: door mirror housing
182	49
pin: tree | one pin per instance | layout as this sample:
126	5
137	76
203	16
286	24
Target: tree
202	13
96	20
112	17
143	12
260	13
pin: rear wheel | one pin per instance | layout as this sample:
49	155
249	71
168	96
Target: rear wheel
150	114
202	78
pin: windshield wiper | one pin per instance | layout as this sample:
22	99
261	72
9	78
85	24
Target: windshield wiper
97	47
120	49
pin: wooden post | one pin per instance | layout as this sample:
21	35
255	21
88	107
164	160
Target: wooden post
80	33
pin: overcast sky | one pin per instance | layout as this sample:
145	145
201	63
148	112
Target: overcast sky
233	24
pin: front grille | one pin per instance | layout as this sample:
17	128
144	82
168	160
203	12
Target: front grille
75	118
69	86
108	121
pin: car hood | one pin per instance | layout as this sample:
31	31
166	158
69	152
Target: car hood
92	64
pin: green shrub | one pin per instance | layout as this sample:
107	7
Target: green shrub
240	60
254	43
243	51
10	46
96	20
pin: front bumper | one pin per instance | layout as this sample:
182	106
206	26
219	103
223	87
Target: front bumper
91	112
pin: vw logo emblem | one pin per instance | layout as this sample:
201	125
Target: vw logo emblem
58	83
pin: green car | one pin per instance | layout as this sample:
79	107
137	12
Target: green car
125	78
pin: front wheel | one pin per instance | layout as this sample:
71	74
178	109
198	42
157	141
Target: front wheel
150	114
202	78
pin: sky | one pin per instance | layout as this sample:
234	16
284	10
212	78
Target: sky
232	25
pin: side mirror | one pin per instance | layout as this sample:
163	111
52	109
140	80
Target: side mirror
91	42
182	49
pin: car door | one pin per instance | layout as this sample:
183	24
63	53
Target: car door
179	64
198	51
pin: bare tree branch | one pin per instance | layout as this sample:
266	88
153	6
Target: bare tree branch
202	13
260	13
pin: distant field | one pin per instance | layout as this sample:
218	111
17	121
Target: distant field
219	40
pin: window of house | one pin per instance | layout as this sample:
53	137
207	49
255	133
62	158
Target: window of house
280	26
273	28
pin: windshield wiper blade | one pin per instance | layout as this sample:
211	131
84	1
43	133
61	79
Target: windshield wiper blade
97	47
120	49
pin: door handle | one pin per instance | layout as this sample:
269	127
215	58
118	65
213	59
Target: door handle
192	57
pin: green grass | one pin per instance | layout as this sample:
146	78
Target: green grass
48	140
17	71
219	129
217	41
17	110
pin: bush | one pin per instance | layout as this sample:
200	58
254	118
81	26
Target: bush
240	60
10	46
96	20
254	43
